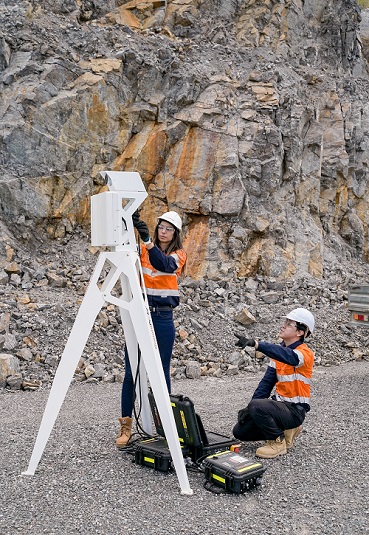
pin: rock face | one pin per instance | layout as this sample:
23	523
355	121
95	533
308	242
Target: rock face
249	118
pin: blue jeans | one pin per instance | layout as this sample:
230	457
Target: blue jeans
165	335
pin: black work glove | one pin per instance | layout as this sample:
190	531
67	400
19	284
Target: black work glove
243	415
143	231
243	341
135	218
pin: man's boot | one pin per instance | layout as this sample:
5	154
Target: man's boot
125	432
290	435
272	449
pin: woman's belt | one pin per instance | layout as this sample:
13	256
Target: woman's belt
160	309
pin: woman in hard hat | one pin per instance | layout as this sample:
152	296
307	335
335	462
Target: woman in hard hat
279	419
163	260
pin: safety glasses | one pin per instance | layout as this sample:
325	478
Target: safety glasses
166	229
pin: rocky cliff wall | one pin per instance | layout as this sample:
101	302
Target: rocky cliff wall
250	118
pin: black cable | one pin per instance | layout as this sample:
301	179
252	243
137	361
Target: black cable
199	461
140	431
137	379
214	489
137	415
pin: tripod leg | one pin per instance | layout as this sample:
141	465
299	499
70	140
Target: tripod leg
89	309
144	331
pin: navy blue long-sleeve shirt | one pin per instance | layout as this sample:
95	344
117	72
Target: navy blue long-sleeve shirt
278	352
161	261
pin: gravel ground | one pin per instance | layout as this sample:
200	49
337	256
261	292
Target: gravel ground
84	485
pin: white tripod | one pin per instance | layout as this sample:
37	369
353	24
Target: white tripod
111	225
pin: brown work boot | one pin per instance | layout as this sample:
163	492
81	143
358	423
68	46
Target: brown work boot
290	435
272	449
125	432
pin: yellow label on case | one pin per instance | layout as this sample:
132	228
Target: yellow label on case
149	459
218	478
183	420
257	465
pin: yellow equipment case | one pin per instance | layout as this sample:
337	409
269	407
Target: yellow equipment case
191	431
232	471
154	453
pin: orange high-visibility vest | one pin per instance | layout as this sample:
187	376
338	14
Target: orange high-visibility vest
160	283
294	381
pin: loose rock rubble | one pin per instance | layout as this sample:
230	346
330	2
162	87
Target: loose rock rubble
40	298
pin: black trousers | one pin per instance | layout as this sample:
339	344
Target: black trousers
266	419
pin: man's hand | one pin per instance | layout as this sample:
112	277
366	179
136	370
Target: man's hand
243	415
244	342
143	231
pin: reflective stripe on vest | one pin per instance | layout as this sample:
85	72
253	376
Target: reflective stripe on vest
294	382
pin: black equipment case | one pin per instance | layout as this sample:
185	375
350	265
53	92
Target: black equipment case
154	453
190	429
232	471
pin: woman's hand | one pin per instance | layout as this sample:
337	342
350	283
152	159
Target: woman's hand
143	231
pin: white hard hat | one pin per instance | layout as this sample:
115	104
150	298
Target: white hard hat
173	218
302	316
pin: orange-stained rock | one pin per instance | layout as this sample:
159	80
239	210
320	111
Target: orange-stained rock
101	65
23	299
146	151
190	166
195	244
